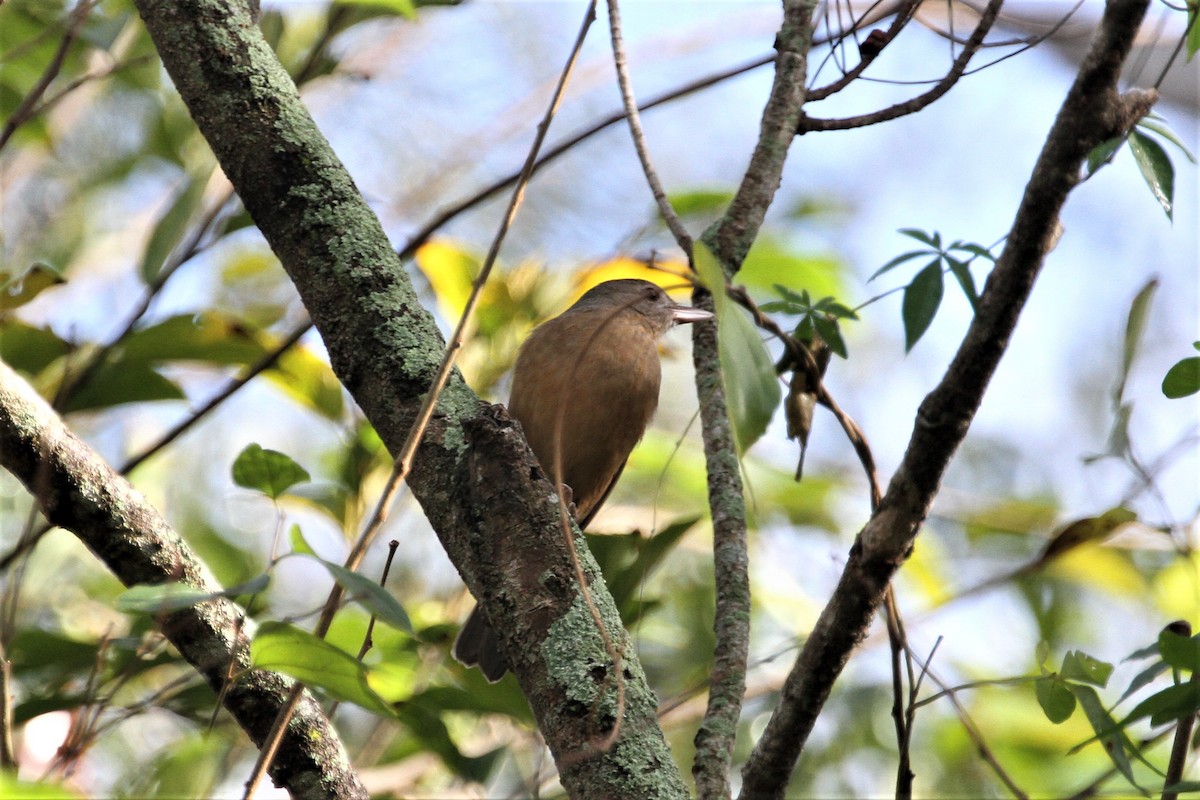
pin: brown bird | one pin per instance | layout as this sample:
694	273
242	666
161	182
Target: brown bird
584	389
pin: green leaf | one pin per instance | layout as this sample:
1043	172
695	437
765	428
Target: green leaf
29	349
401	8
172	226
1078	666
374	597
300	546
303	376
1169	705
1055	698
267	471
1103	153
702	201
1158	125
832	334
897	261
934	240
1135	325
1181	652
962	273
623	584
921	301
1116	744
1145	677
123	382
751	386
17	290
280	647
210	337
1156	168
175	596
1182	379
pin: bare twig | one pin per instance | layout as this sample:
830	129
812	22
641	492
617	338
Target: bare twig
1093	112
915	104
682	238
25	111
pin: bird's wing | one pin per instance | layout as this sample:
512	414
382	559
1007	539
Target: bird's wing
583	523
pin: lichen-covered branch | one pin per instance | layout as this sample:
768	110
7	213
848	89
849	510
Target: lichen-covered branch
729	239
479	485
76	490
1092	112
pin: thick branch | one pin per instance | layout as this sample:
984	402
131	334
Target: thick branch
730	240
479	485
1091	113
77	490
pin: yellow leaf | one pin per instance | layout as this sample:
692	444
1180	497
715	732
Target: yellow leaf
1097	566
451	272
670	275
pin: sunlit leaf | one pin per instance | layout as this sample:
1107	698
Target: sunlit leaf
267	471
1152	122
17	290
1156	168
305	377
921	300
451	272
300	545
211	337
770	263
700	202
751	387
280	647
403	8
1080	667
1089	529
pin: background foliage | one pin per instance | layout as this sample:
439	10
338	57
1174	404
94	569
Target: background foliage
135	289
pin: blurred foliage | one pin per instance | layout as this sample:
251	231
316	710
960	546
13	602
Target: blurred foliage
111	194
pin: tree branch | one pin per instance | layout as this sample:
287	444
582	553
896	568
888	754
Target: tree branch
919	102
729	239
479	485
1091	113
78	491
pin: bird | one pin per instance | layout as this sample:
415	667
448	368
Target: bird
584	388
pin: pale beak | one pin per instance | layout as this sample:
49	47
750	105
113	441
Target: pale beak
683	314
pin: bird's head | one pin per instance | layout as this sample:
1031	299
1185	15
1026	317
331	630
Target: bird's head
641	297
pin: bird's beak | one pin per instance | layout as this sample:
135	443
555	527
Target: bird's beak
684	314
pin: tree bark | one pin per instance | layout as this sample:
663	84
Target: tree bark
1092	113
78	491
481	488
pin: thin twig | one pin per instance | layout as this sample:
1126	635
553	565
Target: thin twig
25	111
903	15
915	104
408	450
682	238
976	737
